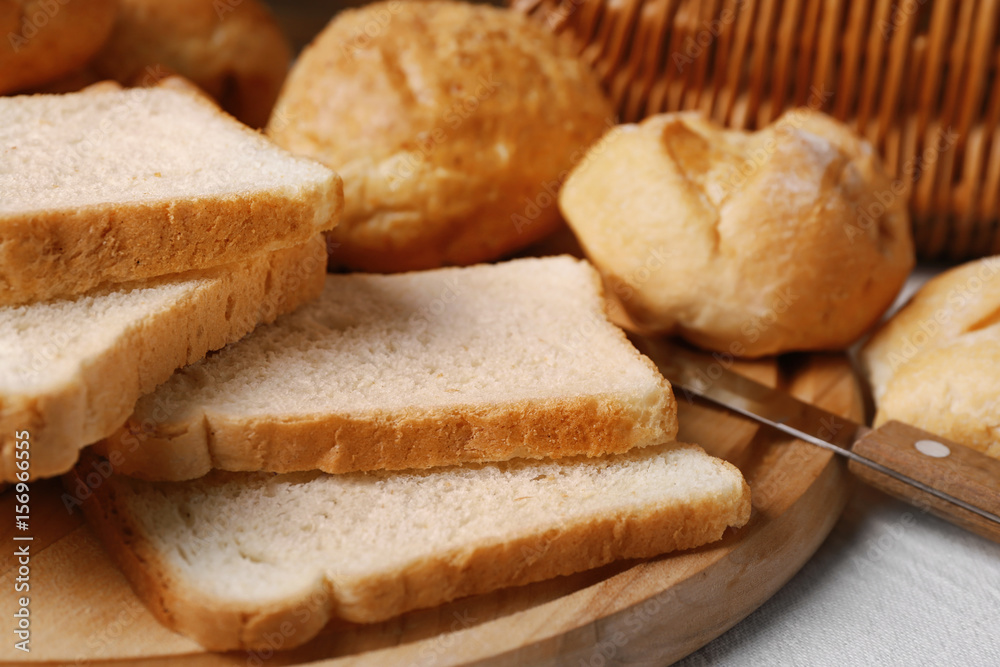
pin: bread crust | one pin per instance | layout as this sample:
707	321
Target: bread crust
397	440
934	363
103	392
52	254
234	51
49	253
44	41
749	244
188	445
220	625
453	126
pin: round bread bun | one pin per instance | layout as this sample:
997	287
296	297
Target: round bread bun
234	51
452	125
935	363
45	41
750	244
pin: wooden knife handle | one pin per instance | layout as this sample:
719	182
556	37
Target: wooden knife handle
947	466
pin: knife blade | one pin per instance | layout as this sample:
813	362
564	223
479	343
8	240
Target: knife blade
950	480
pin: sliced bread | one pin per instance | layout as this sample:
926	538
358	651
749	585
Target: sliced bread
233	558
414	370
72	369
111	185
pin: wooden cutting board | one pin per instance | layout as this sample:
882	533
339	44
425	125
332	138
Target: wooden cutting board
636	613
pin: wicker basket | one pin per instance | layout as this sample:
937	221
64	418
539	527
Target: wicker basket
918	78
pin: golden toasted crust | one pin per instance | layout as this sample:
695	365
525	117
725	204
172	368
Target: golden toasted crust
750	244
100	397
452	125
43	41
235	51
219	625
934	364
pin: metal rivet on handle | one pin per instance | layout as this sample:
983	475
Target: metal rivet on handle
932	448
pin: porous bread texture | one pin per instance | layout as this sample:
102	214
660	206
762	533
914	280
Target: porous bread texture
234	51
44	41
71	370
789	238
453	126
230	558
934	363
485	363
109	186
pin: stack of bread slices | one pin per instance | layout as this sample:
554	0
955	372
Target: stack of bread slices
267	437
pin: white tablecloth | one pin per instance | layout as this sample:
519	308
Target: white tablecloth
890	586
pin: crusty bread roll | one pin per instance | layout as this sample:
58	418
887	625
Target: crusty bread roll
452	125
790	238
235	51
44	41
936	363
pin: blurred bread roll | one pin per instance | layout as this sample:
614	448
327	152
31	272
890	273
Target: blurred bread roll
232	49
935	363
789	238
46	40
452	125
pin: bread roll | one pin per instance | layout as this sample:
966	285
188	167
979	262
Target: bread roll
44	41
452	125
790	238
233	49
935	363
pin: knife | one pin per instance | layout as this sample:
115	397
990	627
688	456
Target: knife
954	482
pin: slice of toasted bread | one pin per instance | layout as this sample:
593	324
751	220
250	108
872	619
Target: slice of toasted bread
484	363
110	186
72	369
232	558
